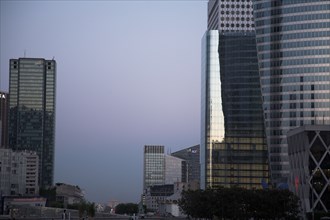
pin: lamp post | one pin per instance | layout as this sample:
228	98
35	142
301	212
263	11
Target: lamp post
311	186
312	202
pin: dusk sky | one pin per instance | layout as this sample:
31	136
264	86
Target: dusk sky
128	75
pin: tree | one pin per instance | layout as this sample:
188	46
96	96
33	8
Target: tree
91	209
127	208
197	204
50	195
85	208
238	203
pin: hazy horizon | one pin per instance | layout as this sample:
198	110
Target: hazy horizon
128	75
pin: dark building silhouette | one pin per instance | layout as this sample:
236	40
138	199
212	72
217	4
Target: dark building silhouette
191	156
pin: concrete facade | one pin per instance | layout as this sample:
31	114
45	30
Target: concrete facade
18	173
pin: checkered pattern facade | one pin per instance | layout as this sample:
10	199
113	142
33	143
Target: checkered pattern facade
230	15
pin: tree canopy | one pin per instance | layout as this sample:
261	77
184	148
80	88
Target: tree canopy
238	203
127	208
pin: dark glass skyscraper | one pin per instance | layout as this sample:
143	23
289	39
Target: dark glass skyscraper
293	43
32	111
192	156
233	146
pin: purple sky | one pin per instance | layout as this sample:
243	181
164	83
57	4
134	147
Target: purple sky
128	74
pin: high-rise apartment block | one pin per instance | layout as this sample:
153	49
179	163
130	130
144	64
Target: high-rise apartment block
233	146
4	106
293	44
32	111
18	173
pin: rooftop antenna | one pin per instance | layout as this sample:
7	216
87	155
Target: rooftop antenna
24	53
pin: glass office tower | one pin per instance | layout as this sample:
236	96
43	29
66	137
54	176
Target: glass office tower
233	146
154	166
32	111
192	156
293	43
212	120
235	150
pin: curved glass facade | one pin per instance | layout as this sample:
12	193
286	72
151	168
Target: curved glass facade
212	120
293	44
233	146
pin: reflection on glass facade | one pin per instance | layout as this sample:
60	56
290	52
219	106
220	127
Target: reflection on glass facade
293	44
4	103
32	111
236	151
212	120
154	166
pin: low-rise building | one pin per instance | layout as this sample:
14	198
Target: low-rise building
68	194
156	195
170	206
12	203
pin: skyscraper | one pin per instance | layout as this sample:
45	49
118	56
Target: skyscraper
192	157
154	166
4	100
233	147
32	111
160	169
175	170
293	43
